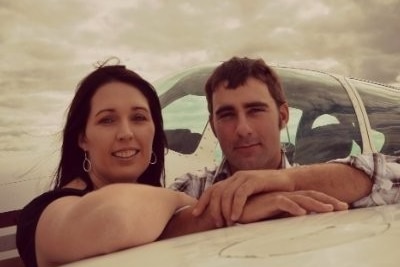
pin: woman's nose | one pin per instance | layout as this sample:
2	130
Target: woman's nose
125	131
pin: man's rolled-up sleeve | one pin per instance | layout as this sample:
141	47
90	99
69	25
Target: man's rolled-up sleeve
384	172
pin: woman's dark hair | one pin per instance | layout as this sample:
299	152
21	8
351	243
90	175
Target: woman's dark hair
72	156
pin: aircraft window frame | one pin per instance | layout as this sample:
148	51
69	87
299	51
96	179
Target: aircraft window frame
337	137
381	103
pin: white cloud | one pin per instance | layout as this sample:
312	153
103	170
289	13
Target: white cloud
232	23
311	10
59	41
326	64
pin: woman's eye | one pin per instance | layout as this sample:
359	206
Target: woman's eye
139	117
106	120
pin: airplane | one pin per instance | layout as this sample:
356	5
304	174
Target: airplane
331	116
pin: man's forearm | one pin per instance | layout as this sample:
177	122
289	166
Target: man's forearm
184	223
341	181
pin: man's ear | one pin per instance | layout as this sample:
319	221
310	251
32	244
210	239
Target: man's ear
82	141
283	115
210	119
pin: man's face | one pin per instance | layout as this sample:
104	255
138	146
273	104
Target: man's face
247	122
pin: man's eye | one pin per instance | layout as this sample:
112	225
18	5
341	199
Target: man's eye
256	110
225	115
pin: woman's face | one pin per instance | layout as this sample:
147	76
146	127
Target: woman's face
119	134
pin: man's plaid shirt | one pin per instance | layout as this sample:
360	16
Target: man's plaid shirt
383	170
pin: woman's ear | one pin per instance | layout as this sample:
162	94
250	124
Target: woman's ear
82	141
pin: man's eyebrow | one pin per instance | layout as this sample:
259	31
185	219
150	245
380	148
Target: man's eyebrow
256	104
223	109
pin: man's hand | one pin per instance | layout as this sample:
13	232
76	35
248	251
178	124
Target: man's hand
228	197
226	200
278	204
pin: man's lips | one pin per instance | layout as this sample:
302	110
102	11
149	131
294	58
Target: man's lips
246	146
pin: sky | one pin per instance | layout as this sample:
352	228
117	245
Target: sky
52	44
48	46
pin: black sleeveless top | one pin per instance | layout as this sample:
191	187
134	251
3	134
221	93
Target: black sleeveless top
29	218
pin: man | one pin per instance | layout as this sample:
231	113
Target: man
248	109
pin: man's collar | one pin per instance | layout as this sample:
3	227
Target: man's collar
223	170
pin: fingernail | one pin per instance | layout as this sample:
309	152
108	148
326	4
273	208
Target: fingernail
330	206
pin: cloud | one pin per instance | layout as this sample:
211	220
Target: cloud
54	44
35	114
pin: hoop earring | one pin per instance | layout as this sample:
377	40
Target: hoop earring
153	160
87	165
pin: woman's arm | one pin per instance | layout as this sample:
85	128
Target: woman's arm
112	218
183	223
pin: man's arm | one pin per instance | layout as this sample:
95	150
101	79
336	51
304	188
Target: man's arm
338	180
342	182
260	207
384	171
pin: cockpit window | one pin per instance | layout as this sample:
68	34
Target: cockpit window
184	109
383	108
324	125
184	123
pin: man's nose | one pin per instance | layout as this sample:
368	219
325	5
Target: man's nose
243	127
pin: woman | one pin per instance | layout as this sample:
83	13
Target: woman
106	195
